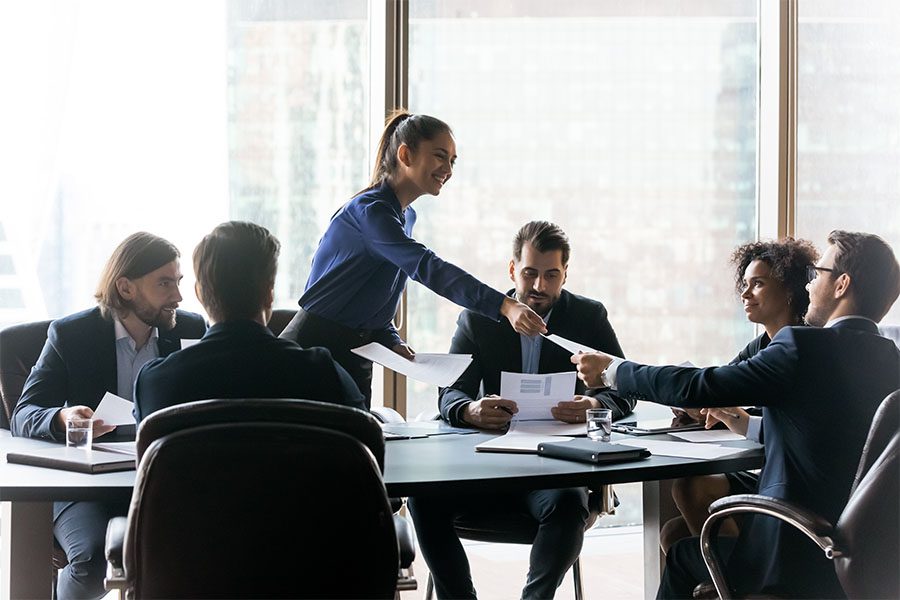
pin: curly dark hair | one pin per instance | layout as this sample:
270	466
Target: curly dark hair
788	259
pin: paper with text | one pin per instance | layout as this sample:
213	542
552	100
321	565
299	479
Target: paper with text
436	369
115	410
536	394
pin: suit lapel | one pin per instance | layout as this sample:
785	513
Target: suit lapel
167	345
107	359
555	359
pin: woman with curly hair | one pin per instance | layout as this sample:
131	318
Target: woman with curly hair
770	278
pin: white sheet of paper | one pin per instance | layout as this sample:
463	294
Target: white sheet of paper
436	369
115	410
548	428
573	347
515	441
536	394
188	342
712	435
681	449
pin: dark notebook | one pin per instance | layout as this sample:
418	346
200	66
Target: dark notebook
587	450
74	459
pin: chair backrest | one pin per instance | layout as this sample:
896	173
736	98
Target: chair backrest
20	347
280	318
260	510
868	530
355	422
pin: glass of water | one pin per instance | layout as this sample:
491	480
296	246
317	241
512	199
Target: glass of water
79	432
599	423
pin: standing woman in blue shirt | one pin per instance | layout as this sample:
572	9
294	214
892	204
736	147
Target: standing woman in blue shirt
362	263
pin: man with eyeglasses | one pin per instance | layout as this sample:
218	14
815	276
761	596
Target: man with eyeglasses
819	388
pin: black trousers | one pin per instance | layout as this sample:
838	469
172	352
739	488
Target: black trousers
310	330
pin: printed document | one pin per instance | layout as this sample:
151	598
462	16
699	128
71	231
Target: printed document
709	435
536	394
515	442
436	369
115	410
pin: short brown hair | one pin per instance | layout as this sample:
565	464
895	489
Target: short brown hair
543	237
235	265
138	254
873	270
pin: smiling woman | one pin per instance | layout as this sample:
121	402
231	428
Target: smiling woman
367	253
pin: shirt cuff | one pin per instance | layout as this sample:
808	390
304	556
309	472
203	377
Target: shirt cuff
610	375
753	428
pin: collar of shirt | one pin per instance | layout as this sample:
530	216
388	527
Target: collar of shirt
834	322
122	333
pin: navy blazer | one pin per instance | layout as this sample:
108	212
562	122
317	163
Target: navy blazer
77	366
495	346
819	389
243	359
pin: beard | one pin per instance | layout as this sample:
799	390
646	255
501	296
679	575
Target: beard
162	318
541	304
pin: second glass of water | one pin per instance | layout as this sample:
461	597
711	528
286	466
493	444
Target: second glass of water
599	423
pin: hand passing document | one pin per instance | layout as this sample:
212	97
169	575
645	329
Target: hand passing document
436	369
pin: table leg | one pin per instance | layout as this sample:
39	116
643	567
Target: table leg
651	538
26	545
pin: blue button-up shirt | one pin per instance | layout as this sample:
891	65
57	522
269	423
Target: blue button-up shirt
364	259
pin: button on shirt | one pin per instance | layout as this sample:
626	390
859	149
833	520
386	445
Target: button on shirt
130	360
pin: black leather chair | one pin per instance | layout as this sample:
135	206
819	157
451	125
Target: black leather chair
864	544
20	347
258	498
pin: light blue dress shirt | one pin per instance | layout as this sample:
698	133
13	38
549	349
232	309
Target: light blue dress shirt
130	359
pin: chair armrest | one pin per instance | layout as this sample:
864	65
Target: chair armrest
812	525
115	542
805	520
405	540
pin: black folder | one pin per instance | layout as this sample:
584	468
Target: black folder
587	450
74	459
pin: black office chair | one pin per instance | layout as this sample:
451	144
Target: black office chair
864	544
225	486
20	348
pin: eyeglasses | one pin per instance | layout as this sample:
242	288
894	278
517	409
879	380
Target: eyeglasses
812	271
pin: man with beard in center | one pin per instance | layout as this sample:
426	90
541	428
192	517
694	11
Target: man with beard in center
538	268
93	352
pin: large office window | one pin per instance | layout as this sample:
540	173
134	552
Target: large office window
848	135
632	126
171	117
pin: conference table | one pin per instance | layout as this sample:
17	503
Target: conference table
437	464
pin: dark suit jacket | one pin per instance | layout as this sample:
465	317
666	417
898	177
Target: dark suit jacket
78	366
495	346
819	389
243	359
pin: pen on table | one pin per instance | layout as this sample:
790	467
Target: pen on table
505	409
